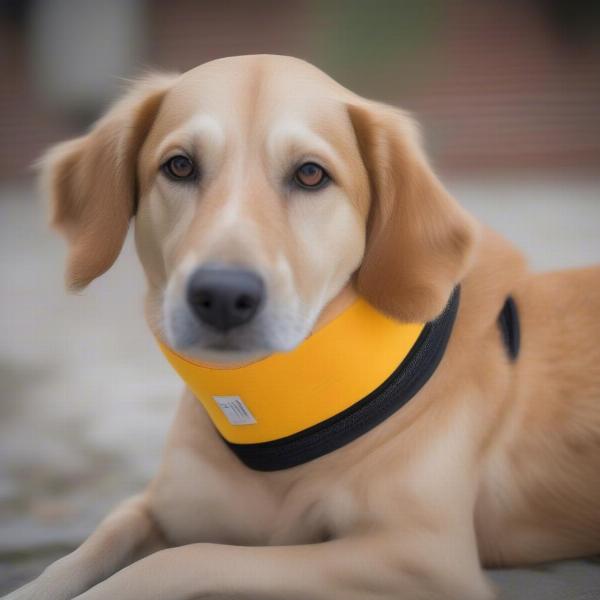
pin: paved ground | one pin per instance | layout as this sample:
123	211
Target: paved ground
85	398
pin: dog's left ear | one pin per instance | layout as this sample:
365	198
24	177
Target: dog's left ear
91	181
419	240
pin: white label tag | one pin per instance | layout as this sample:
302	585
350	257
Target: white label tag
235	410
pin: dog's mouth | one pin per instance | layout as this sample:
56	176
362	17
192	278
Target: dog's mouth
223	352
188	337
223	346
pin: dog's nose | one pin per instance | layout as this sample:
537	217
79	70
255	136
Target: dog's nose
224	298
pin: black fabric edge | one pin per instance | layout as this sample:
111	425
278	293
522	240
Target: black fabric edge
341	429
508	321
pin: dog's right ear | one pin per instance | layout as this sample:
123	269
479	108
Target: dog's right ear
91	181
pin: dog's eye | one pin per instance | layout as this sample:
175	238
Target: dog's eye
179	168
310	176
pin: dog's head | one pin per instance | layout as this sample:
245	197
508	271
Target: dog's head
259	188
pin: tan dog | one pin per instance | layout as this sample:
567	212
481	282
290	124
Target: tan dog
493	462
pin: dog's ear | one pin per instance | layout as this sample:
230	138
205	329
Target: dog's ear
91	181
419	240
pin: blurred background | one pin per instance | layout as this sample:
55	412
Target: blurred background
508	92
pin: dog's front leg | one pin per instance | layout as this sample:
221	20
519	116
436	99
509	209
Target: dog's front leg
379	567
127	534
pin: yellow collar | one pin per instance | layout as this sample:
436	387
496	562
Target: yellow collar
270	410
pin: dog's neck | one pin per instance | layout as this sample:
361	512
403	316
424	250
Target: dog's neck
356	369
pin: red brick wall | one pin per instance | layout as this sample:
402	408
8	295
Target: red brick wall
493	83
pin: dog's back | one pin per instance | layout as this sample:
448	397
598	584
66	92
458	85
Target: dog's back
549	447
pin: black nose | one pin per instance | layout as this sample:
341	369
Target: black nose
224	298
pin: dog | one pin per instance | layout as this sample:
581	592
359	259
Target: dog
269	203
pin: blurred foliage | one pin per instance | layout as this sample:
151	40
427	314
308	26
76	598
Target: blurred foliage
365	40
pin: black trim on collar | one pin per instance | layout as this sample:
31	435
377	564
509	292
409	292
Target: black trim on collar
337	431
508	321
